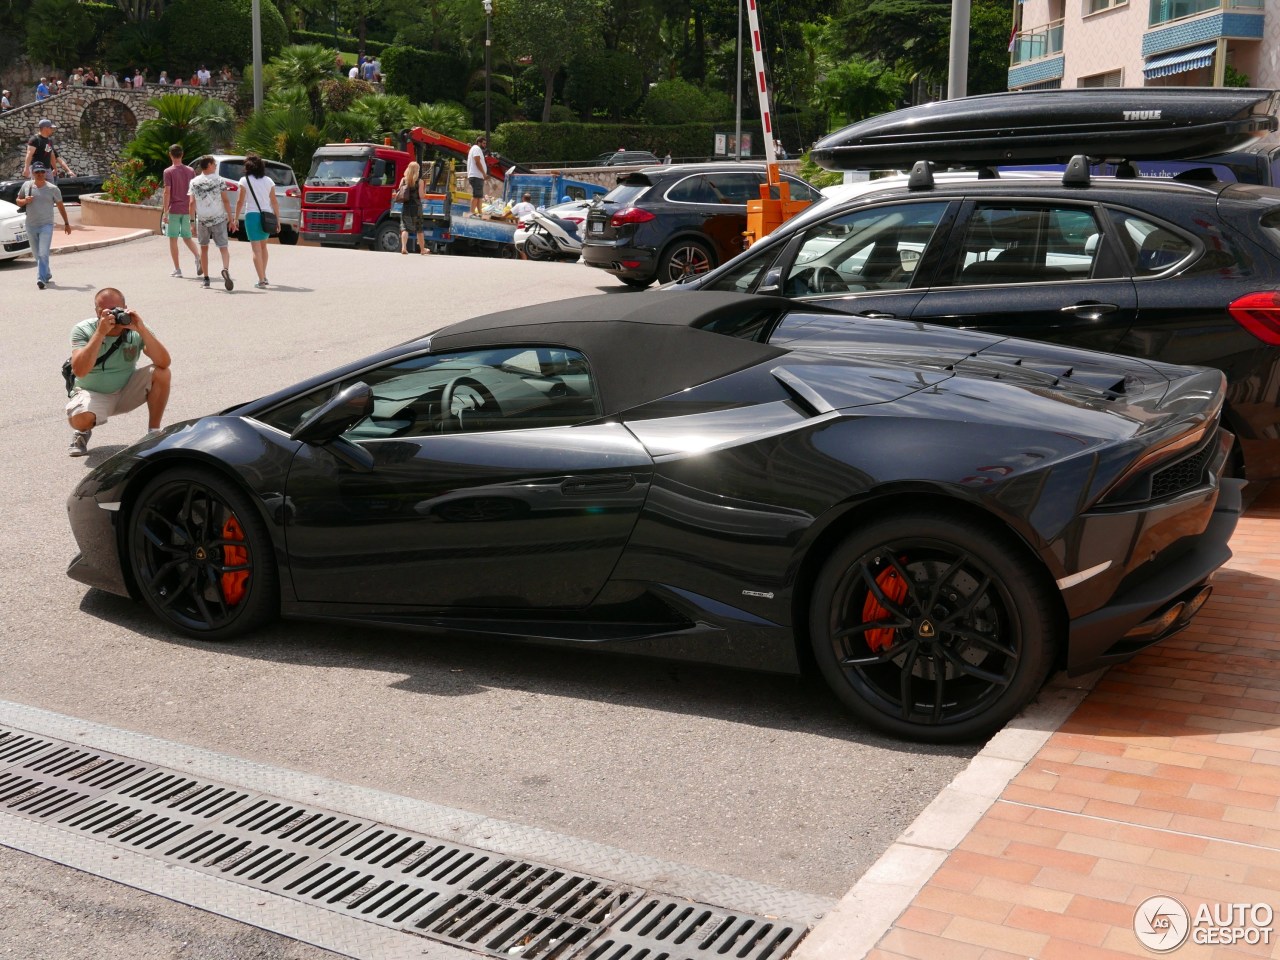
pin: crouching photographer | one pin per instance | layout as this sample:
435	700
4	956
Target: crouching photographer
104	364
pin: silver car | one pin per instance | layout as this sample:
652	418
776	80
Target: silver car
288	194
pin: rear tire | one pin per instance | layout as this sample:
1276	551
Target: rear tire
933	628
685	258
638	282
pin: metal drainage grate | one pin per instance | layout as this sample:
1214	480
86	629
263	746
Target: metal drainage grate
15	746
664	928
52	778
527	910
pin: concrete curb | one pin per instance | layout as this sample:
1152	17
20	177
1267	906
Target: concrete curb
95	244
867	912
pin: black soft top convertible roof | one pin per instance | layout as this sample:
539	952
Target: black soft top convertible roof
641	346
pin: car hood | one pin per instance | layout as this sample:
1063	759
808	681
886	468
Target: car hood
846	362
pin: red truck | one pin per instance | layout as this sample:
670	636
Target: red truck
346	199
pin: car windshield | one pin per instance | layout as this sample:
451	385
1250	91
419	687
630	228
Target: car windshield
624	193
281	175
335	171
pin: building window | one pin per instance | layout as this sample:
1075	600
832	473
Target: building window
1097	6
1113	78
1163	11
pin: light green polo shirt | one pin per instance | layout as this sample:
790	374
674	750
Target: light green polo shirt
115	373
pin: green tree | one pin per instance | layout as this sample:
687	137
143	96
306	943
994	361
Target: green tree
183	119
215	32
857	88
305	67
385	110
604	79
287	134
548	31
59	32
448	118
674	101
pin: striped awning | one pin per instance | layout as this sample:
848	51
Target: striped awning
1180	62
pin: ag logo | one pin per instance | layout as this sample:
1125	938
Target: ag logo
1161	924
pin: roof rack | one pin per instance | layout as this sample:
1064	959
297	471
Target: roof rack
1077	172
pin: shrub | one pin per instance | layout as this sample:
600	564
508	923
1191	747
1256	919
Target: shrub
181	120
59	31
423	75
213	32
604	79
501	109
339	94
129	182
568	142
674	101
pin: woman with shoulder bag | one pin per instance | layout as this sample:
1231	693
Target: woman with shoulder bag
411	193
258	208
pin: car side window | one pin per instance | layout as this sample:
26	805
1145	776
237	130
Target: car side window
380	172
1150	247
502	388
873	249
1026	243
693	189
735	188
801	190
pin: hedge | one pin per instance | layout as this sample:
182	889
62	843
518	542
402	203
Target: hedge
569	142
343	42
424	76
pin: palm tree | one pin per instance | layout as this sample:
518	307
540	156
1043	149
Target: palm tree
283	133
447	118
182	119
304	66
387	110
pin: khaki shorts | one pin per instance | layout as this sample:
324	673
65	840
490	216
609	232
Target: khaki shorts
105	405
178	226
217	232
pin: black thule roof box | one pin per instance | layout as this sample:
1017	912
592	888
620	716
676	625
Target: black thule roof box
1047	126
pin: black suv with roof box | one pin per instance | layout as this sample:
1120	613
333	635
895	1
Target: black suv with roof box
1184	271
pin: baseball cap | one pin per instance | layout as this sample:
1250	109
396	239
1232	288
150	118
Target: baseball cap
39	167
46	122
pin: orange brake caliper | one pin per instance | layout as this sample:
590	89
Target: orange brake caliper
895	588
233	581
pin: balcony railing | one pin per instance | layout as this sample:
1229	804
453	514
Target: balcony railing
1038	42
1164	11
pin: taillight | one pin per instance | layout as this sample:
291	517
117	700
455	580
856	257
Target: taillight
231	187
572	219
630	215
292	192
1259	313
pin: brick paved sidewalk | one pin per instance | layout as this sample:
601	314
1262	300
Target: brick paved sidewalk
1165	780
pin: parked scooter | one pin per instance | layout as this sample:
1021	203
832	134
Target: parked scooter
544	236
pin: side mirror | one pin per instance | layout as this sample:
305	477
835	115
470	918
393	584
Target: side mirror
772	282
336	415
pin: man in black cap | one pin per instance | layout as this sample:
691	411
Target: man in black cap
40	147
39	198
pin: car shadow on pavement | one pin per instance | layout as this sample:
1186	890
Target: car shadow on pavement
458	665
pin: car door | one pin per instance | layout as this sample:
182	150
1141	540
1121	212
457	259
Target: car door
489	486
876	260
716	204
1042	269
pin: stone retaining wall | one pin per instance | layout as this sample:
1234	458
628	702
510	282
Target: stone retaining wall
93	124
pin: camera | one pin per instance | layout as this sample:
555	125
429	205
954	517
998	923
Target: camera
120	315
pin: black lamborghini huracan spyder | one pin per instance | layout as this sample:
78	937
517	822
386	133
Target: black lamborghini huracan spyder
937	518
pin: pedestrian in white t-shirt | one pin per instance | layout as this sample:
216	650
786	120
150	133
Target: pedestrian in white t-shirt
477	172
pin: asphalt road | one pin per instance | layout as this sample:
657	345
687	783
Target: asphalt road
754	776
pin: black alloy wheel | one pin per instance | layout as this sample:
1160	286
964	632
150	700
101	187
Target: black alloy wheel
933	628
685	258
201	555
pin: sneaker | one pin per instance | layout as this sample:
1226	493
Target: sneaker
227	281
199	269
261	284
266	282
206	283
154	431
40	284
176	273
79	443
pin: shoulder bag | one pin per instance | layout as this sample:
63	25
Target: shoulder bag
69	378
269	222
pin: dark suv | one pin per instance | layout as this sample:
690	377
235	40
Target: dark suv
670	222
1180	272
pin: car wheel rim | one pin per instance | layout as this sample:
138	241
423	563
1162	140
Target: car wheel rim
688	262
192	556
925	632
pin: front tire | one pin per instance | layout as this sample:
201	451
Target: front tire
201	555
932	628
288	236
387	237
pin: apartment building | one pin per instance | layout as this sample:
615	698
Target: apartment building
1144	43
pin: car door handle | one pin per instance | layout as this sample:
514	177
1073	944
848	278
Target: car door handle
593	486
1090	309
878	314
